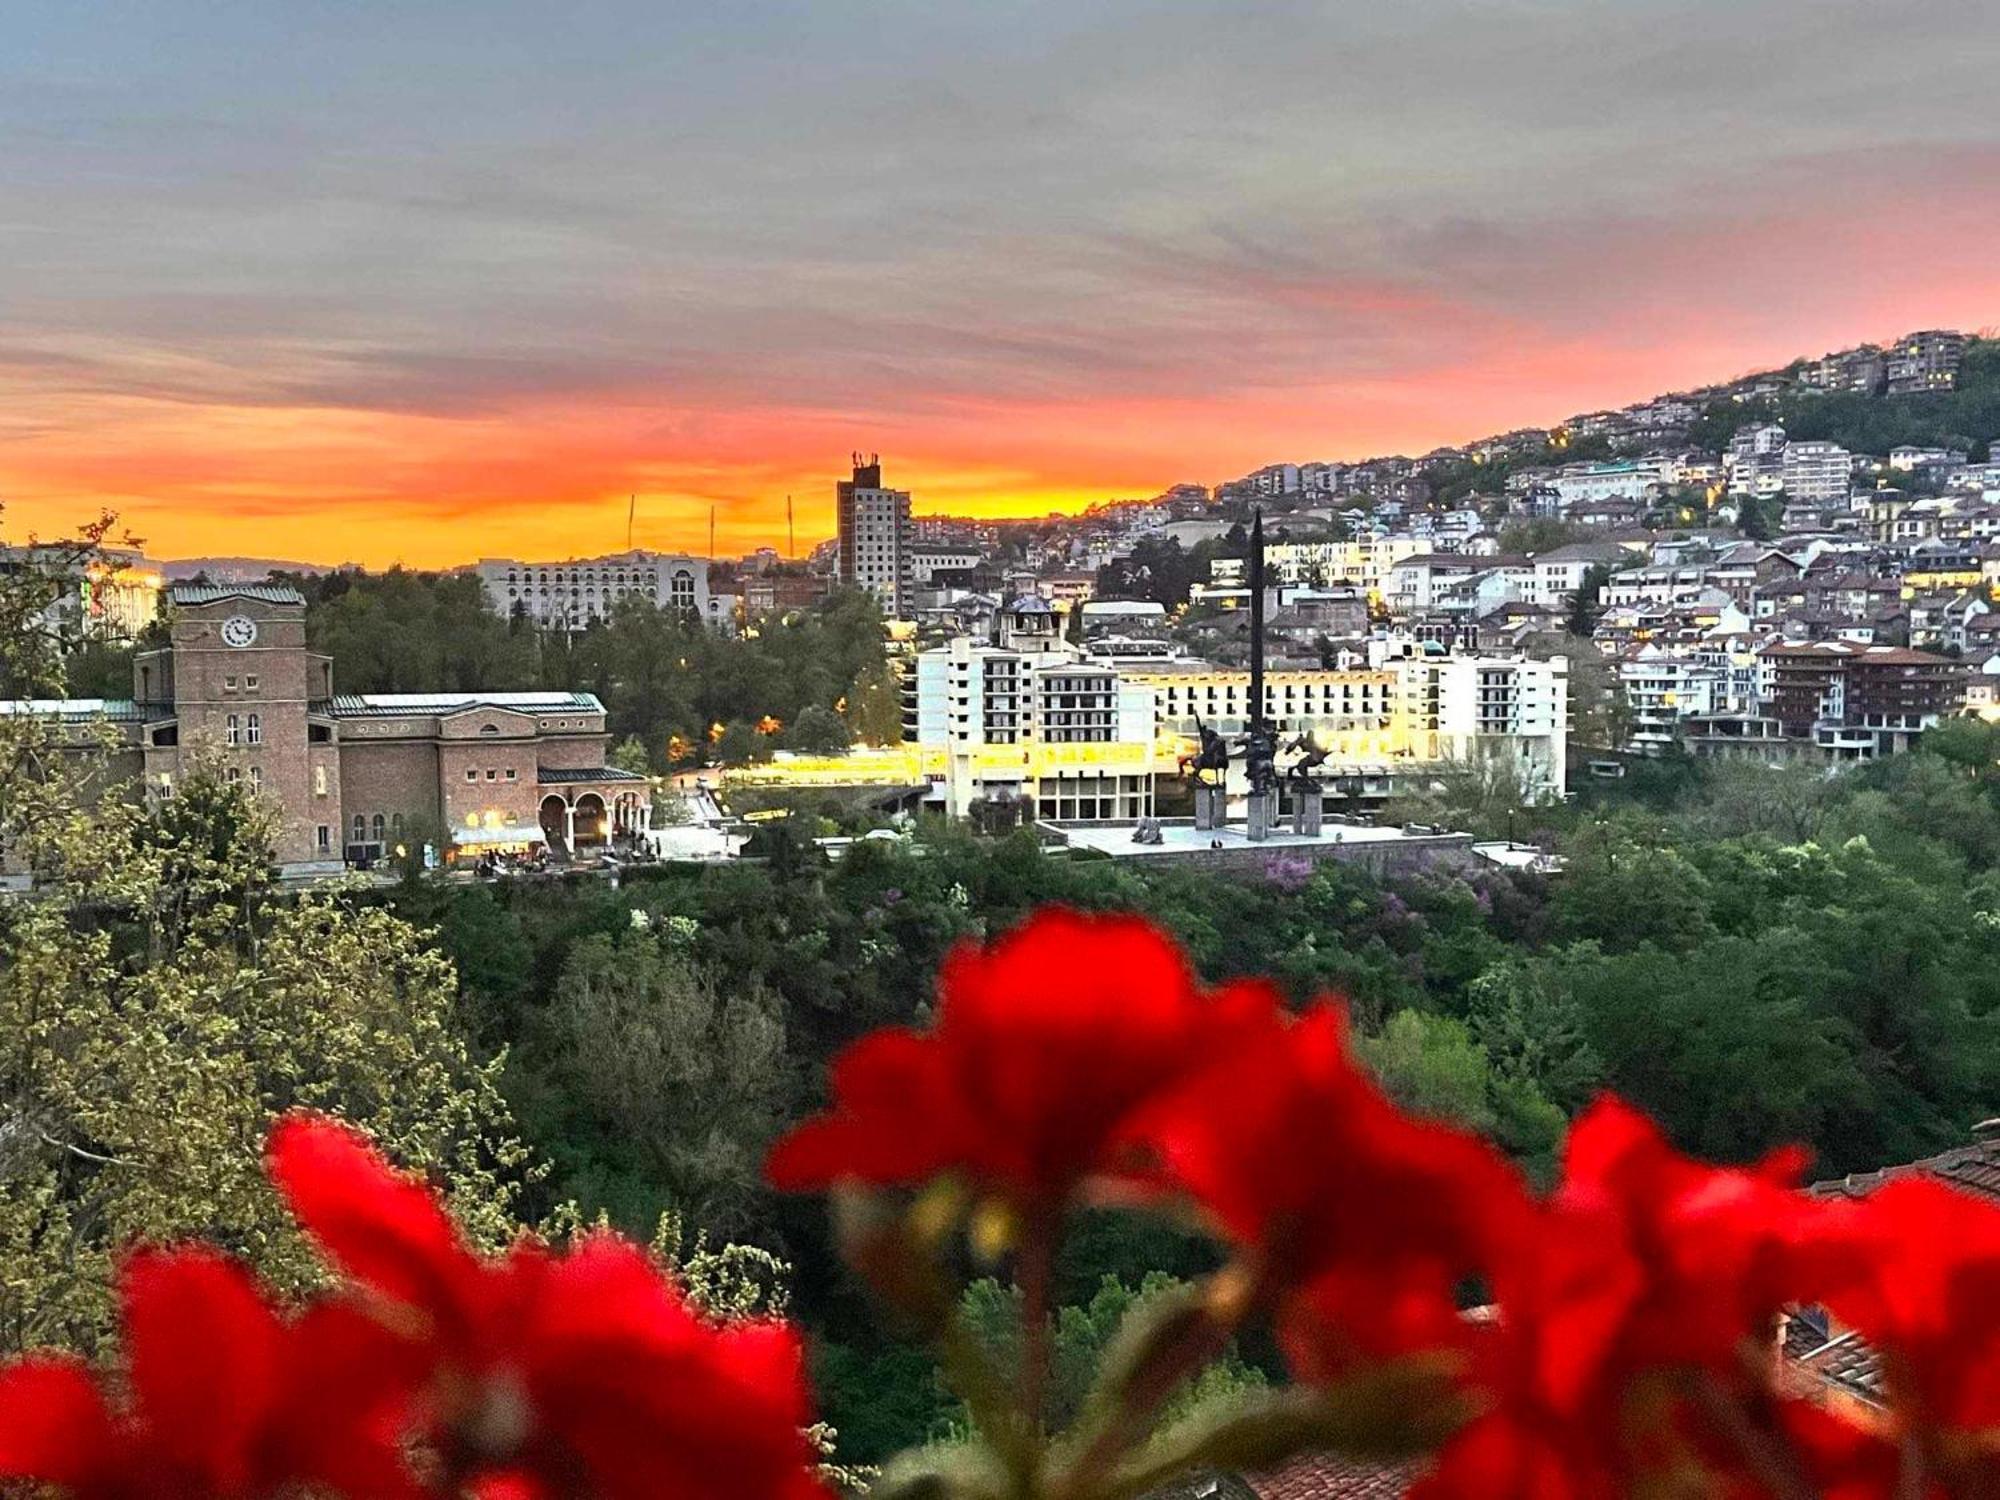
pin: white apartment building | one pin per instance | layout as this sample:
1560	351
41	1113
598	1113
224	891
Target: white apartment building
1391	719
1082	739
1912	456
1626	479
1364	562
1816	472
1661	690
875	536
1559	573
1030	719
1415	584
927	562
570	595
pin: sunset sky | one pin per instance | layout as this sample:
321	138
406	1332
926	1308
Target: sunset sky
426	280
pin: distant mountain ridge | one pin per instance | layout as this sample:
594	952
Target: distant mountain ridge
242	569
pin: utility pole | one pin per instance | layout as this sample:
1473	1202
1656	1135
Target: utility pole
711	533
791	534
631	510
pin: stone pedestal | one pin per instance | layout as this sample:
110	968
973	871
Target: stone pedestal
1308	812
1211	805
1263	815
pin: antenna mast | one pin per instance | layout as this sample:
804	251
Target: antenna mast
711	533
631	509
791	533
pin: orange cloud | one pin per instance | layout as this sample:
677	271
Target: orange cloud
1232	359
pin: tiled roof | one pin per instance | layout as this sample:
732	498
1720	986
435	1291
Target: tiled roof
1973	1168
209	593
1323	1477
1846	1361
75	710
567	775
400	705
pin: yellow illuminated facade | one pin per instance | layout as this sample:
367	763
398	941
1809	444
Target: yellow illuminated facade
1029	721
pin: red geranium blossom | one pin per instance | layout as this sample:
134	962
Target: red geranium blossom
1045	1042
1924	1288
1645	1273
1298	1156
226	1398
554	1372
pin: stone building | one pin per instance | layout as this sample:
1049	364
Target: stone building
573	595
352	776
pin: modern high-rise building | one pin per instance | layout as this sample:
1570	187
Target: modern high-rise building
875	535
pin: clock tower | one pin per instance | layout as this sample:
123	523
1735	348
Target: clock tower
242	687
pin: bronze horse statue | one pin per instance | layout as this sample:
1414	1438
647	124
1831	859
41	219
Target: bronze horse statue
1212	756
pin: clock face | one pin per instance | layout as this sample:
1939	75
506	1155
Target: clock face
239	631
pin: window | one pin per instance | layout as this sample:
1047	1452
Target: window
396	824
257	778
319	781
323	838
232	775
491	774
379	827
229	684
510	773
166	786
250	683
231	734
489	728
360	828
255	730
471	775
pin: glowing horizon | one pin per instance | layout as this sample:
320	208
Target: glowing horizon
278	284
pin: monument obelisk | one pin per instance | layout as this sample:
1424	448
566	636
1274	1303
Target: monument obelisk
1260	740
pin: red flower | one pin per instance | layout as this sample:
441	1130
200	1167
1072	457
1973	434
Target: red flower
227	1399
1299	1157
1647	1276
554	1372
1924	1288
1045	1043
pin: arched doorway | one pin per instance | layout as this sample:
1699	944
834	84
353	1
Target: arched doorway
589	820
555	822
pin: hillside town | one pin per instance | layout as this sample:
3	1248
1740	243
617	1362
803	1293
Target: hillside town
1687	575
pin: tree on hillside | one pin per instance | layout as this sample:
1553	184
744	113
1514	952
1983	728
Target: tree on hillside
629	754
818	730
875	706
1528	538
1583	609
672	1081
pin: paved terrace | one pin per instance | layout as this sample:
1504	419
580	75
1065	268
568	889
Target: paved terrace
1382	849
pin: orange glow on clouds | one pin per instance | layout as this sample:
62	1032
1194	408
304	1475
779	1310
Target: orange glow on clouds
546	474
